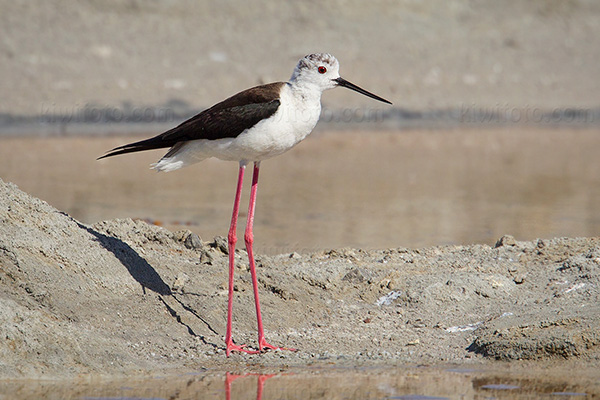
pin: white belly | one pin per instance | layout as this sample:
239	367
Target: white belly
294	120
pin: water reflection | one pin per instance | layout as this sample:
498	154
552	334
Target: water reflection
260	383
399	383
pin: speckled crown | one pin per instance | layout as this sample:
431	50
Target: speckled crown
312	61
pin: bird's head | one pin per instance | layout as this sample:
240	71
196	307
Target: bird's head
321	70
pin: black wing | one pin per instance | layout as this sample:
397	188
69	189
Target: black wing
226	119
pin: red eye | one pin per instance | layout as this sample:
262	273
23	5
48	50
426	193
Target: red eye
322	70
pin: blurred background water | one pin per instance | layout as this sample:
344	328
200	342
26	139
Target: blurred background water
494	128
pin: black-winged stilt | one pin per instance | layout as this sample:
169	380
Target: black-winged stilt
251	126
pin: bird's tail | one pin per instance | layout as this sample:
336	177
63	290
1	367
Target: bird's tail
143	145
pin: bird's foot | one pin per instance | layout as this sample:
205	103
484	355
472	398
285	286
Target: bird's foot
263	345
242	349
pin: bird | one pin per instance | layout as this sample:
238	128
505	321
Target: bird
249	127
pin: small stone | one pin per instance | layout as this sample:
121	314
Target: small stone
357	275
506	240
193	241
181	235
180	282
221	244
206	257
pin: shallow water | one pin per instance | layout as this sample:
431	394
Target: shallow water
410	383
340	189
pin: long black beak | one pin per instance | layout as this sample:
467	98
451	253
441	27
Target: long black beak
344	83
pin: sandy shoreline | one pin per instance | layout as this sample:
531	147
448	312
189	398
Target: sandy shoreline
123	296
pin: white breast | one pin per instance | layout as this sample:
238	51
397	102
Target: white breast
294	120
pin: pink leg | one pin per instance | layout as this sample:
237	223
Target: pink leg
249	239
231	240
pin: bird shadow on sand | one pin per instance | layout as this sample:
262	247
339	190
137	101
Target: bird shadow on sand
139	268
147	276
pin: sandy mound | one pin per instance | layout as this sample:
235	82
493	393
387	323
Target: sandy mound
124	296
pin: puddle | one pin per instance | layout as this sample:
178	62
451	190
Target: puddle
418	383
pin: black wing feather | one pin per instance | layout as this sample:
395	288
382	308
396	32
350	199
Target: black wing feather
226	119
